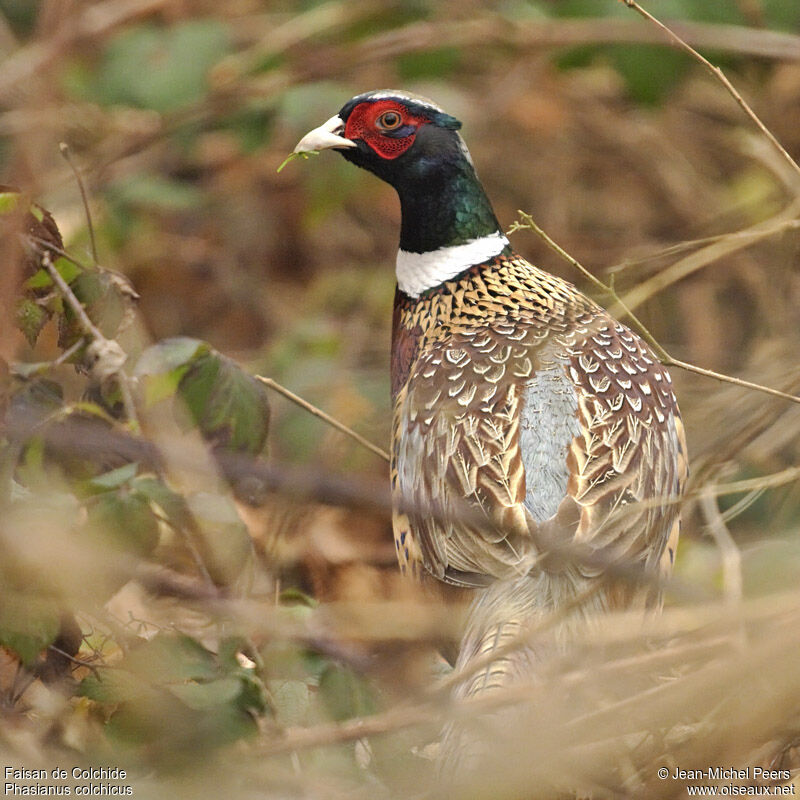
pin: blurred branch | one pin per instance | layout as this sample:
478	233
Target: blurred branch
64	147
723	246
789	475
334	423
720	76
496	31
662	353
109	357
729	551
275	39
90	439
79	437
93	22
326	61
666	700
784	221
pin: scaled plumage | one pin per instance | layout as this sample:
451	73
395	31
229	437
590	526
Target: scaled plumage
519	395
537	443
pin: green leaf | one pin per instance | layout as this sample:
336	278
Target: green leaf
113	479
33	403
345	694
169	355
103	301
229	406
293	595
782	15
155	192
21	16
9	202
172	504
290	700
111	686
30	319
162	68
224	541
172	658
176	700
28	623
125	521
437	63
41	279
204	696
161	367
649	74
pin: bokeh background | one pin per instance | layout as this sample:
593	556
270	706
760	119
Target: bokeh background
625	151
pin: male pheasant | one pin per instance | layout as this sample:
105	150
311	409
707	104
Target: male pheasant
537	442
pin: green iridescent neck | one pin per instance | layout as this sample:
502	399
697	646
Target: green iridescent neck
443	204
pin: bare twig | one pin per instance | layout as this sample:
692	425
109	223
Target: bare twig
69	296
334	423
729	551
731	558
715	250
64	147
527	35
719	376
108	352
79	662
720	76
660	697
662	353
747	236
781	478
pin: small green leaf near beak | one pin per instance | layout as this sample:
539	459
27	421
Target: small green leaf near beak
292	156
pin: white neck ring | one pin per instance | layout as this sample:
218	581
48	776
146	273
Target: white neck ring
418	272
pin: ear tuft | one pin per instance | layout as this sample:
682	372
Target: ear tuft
446	121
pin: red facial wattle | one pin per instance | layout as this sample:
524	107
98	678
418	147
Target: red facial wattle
362	123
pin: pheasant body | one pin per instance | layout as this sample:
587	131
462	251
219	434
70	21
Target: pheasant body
537	445
516	394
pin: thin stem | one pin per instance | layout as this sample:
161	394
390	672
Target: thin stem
607	288
731	557
720	76
712	252
710	373
59	251
661	352
334	423
788	475
64	147
79	662
69	352
105	347
72	300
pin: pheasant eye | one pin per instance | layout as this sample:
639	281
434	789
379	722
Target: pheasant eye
389	120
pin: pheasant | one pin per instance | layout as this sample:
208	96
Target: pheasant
537	442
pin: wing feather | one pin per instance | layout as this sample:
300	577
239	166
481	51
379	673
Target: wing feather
512	433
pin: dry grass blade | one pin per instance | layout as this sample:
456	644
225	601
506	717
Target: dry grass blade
320	414
723	246
666	358
731	555
720	76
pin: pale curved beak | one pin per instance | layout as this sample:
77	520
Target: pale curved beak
325	137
